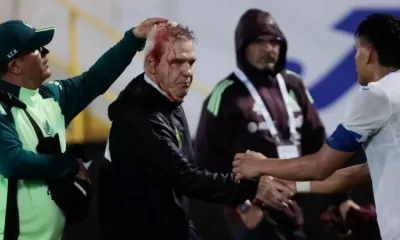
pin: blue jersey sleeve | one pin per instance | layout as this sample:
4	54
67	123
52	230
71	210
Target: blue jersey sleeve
367	113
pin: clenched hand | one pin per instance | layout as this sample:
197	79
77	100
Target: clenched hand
247	165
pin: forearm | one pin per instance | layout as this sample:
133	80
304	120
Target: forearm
112	63
215	187
28	165
317	166
298	169
76	93
16	162
343	180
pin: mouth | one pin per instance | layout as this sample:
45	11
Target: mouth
186	85
268	59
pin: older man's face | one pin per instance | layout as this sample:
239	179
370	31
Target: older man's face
175	69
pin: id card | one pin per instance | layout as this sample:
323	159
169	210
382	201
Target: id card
288	151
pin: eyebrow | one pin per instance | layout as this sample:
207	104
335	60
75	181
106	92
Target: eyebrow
183	59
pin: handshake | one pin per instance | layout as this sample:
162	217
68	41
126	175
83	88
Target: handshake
274	193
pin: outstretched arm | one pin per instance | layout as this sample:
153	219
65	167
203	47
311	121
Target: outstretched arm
167	163
316	166
369	111
342	180
76	93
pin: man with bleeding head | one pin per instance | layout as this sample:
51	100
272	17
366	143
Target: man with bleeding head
169	60
150	148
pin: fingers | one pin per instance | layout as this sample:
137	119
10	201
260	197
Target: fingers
280	199
238	177
285	190
154	21
274	203
239	156
289	184
236	163
274	199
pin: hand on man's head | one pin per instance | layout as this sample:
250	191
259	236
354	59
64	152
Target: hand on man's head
145	27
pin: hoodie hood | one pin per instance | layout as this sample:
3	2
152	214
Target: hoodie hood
252	24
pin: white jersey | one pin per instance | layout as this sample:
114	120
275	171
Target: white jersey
373	119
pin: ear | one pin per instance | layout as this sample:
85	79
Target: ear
150	65
14	67
372	55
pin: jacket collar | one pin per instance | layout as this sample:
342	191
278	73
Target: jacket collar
25	95
141	94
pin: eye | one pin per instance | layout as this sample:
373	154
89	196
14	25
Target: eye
178	61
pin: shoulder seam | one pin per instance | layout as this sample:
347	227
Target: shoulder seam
216	96
290	72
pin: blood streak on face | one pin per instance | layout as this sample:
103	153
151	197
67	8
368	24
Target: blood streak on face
173	56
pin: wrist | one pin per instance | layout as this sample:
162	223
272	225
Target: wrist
134	32
263	170
257	202
140	42
303	187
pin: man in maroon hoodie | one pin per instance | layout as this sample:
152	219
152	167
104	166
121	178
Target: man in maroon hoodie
234	119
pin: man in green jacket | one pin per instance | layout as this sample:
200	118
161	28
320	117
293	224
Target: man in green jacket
23	69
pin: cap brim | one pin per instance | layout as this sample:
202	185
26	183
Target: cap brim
42	37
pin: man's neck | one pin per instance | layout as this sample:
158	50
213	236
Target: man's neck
20	82
382	72
152	83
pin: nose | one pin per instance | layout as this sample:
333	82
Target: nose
268	46
187	70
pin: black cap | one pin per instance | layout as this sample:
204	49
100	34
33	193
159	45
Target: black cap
17	37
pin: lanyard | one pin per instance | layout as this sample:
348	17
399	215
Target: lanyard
294	135
107	154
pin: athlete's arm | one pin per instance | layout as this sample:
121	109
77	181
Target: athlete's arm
75	94
316	166
368	112
341	181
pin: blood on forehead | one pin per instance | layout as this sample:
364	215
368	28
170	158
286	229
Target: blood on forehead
164	38
160	39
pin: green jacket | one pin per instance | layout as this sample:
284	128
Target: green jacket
53	106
